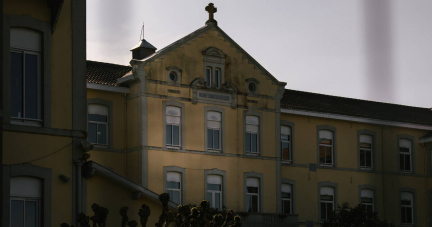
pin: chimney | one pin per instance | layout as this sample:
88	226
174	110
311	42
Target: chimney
143	50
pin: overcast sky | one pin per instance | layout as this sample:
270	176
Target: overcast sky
378	50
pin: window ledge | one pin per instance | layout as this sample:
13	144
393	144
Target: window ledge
327	165
28	123
173	148
252	154
214	151
365	168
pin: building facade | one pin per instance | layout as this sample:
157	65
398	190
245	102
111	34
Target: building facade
201	119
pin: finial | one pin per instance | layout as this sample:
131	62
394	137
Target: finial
142	33
211	10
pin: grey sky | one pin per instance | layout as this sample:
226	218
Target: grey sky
378	50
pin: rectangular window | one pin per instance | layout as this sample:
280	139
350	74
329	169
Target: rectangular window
25	202
286	199
25	75
174	186
366	161
252	134
405	161
326	202
326	147
209	76
214	191
98	124
217	78
214	126
173	123
286	153
367	199
407	211
252	185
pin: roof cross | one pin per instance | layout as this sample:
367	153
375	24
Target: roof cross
211	10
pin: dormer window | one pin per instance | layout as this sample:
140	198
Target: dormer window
214	67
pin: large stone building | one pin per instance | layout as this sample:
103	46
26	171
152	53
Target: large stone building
201	119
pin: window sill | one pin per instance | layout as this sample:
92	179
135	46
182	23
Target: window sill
252	154
173	148
26	123
327	165
367	169
214	151
406	172
286	162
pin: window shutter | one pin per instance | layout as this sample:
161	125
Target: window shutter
26	187
214	179
98	109
252	182
173	176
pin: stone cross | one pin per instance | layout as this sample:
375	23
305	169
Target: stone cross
211	10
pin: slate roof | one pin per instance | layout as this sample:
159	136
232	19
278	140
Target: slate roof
105	73
306	101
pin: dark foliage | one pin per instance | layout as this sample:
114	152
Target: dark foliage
187	216
358	216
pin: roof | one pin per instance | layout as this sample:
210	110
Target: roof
145	44
306	101
105	73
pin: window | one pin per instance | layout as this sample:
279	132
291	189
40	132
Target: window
173	122
173	76
405	155
209	76
252	134
326	147
214	191
98	124
25	76
286	199
286	144
407	211
174	186
214	130
367	199
217	78
326	201
366	152
252	87
25	201
252	194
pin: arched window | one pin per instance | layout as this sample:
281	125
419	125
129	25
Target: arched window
326	147
367	198
174	186
327	199
98	124
287	198
214	125
214	191
286	151
253	194
252	134
405	160
25	201
366	152
407	208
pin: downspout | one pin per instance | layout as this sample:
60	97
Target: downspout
125	135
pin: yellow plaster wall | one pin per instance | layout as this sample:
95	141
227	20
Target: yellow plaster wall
195	164
36	8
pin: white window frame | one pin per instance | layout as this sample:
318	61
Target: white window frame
325	145
169	143
409	154
287	199
257	194
289	145
364	191
209	78
24	120
327	202
25	199
367	150
102	123
175	189
214	192
253	133
411	206
212	148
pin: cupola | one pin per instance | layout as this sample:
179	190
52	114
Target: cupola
143	50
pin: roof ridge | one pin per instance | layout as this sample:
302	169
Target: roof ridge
365	100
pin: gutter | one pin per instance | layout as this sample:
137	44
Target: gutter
103	87
90	168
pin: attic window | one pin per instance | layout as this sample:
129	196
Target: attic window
252	87
174	76
214	67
